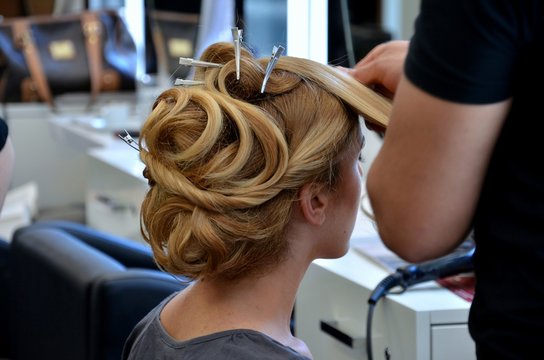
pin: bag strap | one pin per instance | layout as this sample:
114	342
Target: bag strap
92	28
160	51
23	37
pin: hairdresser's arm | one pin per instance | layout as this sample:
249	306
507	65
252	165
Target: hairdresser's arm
426	179
6	169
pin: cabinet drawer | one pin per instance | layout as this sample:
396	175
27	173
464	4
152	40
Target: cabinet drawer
442	346
324	297
331	313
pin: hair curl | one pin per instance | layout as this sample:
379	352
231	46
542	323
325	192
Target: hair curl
225	162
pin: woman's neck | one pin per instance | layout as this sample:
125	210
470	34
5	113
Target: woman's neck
262	303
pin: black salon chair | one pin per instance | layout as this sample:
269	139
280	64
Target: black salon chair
79	292
5	300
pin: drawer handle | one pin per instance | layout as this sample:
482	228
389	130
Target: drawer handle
331	328
115	206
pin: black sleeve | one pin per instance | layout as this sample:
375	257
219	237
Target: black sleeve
466	50
3	133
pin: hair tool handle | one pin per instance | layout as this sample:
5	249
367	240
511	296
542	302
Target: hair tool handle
436	269
412	274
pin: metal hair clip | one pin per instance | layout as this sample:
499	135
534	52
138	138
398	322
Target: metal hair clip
276	53
129	140
237	38
193	62
188	82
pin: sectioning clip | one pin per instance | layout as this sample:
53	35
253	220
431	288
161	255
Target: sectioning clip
193	62
129	140
276	53
237	38
186	82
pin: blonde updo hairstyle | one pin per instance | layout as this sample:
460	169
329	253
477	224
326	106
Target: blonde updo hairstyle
225	162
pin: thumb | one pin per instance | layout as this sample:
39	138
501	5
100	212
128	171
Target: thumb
345	70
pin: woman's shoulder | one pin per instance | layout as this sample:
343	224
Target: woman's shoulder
236	344
150	335
144	329
241	344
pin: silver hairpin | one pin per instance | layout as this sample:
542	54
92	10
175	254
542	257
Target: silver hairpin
193	62
237	38
186	82
276	53
129	140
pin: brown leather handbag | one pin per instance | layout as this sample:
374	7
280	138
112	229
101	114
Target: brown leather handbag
45	56
174	36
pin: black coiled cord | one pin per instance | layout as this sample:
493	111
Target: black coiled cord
382	289
412	274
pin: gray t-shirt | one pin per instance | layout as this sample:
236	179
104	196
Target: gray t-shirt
150	341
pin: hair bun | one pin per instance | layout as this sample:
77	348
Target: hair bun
252	71
223	52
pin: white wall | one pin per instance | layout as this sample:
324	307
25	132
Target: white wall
398	17
57	169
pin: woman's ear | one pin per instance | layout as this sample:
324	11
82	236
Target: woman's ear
313	203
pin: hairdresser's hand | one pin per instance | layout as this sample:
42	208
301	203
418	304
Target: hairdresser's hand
382	67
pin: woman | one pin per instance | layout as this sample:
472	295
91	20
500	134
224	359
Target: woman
246	190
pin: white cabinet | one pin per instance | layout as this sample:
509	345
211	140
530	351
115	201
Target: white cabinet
115	190
114	186
427	322
442	346
57	170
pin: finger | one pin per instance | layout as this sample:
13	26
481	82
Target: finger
365	74
344	69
